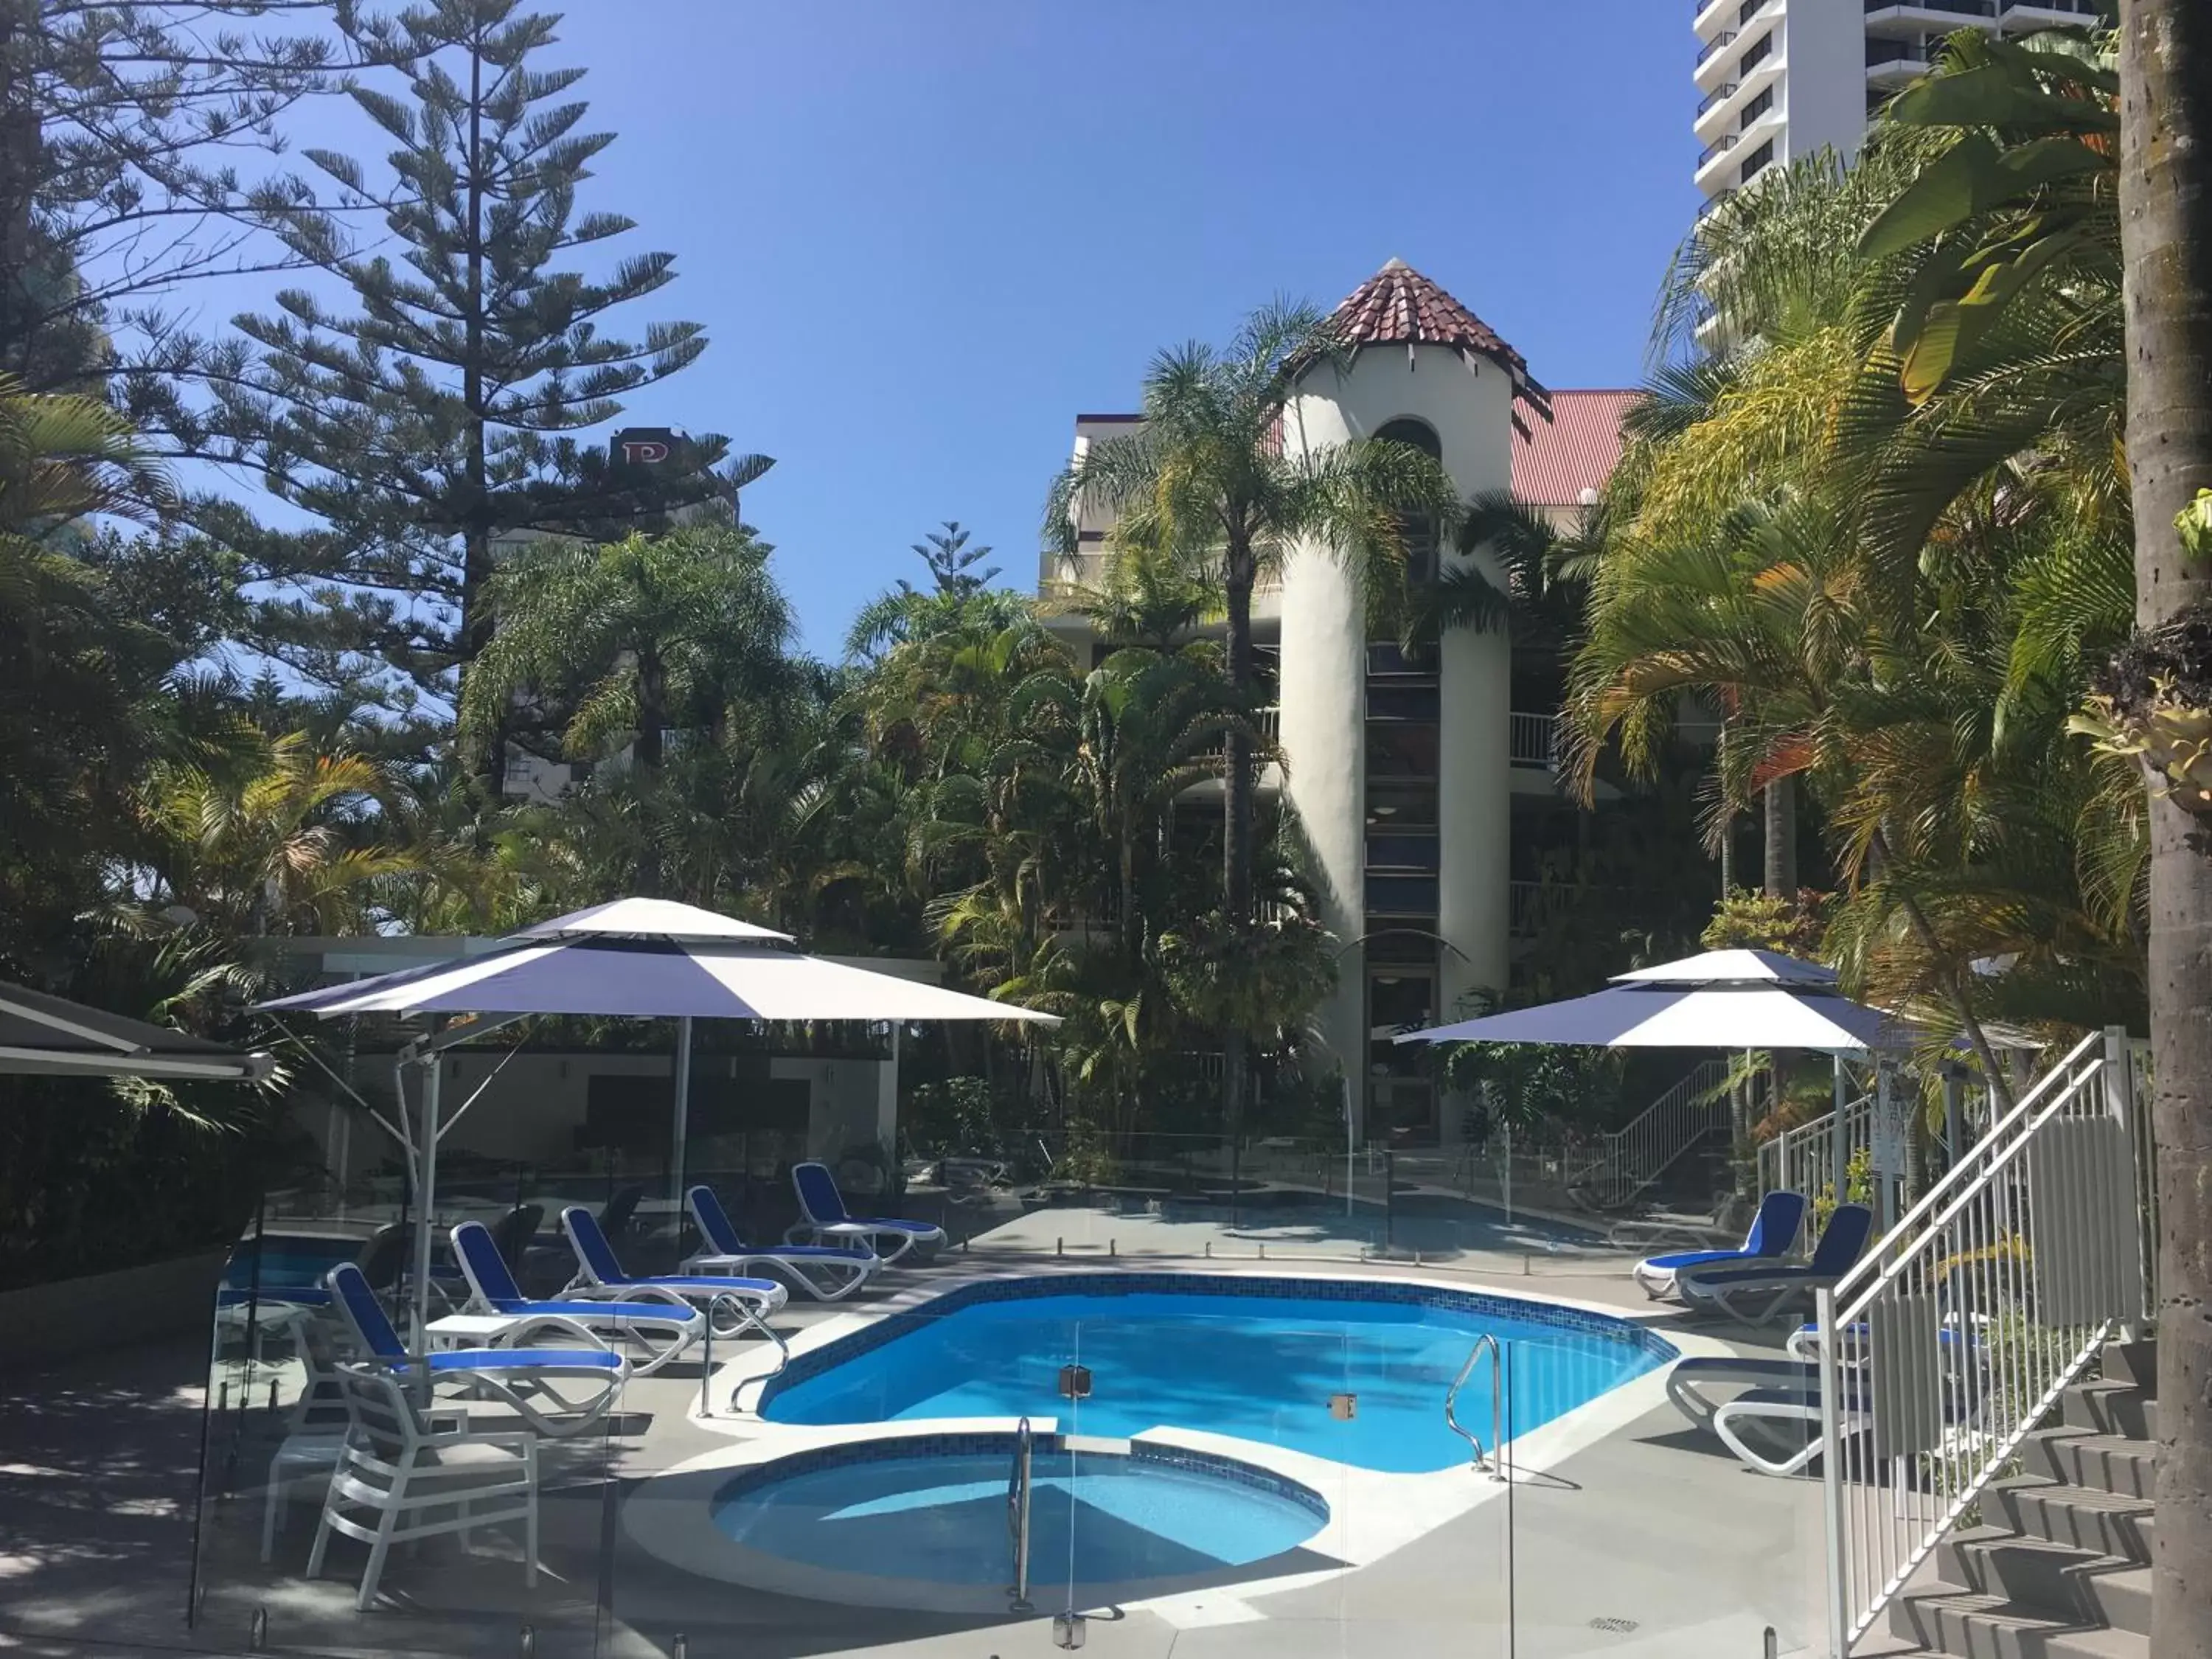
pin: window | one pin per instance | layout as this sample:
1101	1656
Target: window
1420	534
1401	807
1756	53
1402	895
1387	702
1401	851
1757	108
1395	752
1758	160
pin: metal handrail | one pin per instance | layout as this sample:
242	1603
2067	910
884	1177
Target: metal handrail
745	1316
1018	1516
1487	1463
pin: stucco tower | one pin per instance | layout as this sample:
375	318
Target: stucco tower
1399	768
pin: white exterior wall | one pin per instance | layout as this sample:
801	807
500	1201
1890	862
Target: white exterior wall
1825	43
1324	681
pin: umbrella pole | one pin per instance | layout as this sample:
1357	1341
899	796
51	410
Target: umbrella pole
682	1122
425	1186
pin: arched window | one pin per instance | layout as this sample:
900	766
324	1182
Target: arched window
1421	534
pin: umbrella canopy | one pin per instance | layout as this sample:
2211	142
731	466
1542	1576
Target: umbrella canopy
1721	999
50	1036
642	958
652	959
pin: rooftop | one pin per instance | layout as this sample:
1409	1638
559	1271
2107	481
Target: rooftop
1579	449
1398	305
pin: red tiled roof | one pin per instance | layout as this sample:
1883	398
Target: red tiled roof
1398	305
1577	451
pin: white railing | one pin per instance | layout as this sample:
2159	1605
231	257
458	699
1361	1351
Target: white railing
1631	1157
1955	1336
1533	740
1804	1159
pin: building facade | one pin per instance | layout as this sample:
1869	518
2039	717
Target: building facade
1778	80
1413	780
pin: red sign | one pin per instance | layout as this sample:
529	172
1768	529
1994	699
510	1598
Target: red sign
643	451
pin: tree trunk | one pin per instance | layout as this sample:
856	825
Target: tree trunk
476	621
1236	816
1779	870
2166	241
22	156
649	751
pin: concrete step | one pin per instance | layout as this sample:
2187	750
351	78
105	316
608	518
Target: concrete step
2052	1581
2102	1462
2101	1522
2134	1363
2112	1409
1947	1620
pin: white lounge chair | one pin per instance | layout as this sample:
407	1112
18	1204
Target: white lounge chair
1773	1229
825	1271
400	1477
1758	1295
663	1323
517	1376
599	1273
826	1217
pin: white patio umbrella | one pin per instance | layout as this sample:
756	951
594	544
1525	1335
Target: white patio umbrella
1717	1000
640	958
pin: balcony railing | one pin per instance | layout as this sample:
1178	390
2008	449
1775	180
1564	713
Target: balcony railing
1533	740
1720	146
1719	94
1725	38
1957	8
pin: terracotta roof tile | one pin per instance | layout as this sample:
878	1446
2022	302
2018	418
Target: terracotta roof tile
1398	305
1577	451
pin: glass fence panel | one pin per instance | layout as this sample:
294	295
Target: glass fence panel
1206	1453
362	1492
1659	1508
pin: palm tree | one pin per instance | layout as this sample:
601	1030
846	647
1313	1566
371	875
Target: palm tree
2165	240
626	642
296	842
1208	482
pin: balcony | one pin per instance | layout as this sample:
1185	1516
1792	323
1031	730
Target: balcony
1720	146
1719	94
1918	14
1894	62
1725	38
2021	16
1533	740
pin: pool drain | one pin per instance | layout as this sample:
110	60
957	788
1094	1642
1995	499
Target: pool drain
1613	1626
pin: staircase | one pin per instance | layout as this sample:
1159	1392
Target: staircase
2059	1568
1630	1160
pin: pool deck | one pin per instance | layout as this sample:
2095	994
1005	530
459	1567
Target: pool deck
1646	1541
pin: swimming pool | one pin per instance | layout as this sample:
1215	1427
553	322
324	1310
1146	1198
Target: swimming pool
1266	1360
934	1512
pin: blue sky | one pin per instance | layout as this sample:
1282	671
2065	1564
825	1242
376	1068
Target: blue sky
924	233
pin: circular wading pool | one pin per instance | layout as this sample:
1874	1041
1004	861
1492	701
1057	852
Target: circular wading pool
924	1521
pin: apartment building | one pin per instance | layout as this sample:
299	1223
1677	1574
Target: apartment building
1777	80
1415	781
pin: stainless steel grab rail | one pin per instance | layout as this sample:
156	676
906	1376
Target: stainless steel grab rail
1017	1517
1486	1462
741	1316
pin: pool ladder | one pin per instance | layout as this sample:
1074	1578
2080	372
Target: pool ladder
1487	1463
1018	1517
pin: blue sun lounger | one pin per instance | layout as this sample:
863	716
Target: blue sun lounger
514	1376
1773	1229
599	1272
824	1272
1757	1295
826	1218
665	1323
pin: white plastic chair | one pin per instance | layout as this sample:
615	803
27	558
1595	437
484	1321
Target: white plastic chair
401	1476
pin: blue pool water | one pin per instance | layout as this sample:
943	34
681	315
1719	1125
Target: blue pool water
286	1263
1217	1357
942	1517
